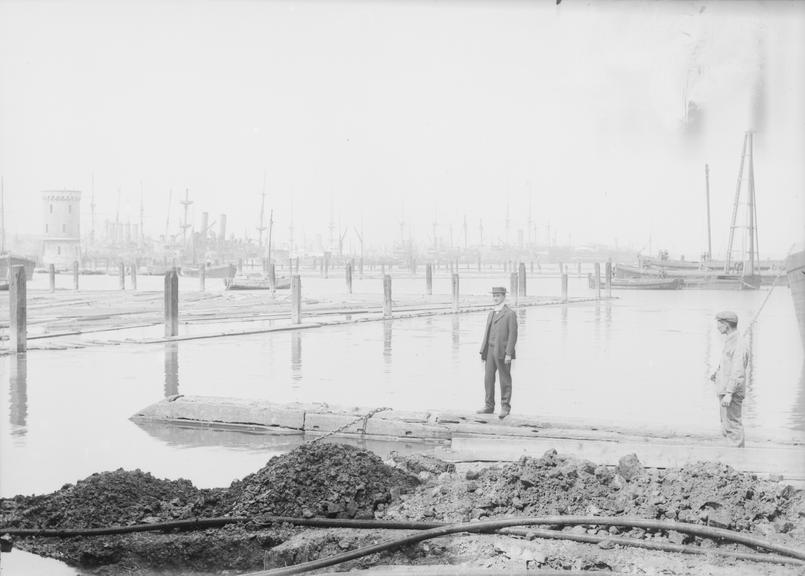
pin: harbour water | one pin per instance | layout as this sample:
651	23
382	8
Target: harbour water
640	360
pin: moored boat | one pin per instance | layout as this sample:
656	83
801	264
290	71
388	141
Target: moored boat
636	283
256	283
220	271
648	283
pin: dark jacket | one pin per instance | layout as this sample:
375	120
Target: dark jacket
504	333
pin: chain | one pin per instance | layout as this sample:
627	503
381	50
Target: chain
365	419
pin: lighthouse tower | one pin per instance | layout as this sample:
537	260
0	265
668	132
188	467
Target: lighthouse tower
61	244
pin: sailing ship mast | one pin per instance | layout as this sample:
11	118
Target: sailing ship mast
261	227
751	221
186	203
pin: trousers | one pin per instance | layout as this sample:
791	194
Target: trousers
731	425
493	365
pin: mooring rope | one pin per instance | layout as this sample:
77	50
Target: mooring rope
364	417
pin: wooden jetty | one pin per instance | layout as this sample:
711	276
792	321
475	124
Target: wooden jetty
462	437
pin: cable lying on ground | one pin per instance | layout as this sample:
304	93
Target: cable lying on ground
492	525
434	529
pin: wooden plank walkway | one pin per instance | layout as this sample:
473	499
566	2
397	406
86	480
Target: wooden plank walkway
471	437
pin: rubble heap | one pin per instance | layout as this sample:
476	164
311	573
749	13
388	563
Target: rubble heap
332	480
704	493
118	498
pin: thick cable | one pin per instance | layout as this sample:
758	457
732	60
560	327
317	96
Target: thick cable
192	524
489	525
659	546
791	556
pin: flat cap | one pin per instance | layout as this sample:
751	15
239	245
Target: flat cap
728	316
498	290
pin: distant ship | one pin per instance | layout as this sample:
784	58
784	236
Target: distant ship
795	267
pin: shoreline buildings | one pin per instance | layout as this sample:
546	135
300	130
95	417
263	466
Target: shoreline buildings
61	242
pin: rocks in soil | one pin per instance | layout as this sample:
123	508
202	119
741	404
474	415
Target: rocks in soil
116	498
629	467
416	463
701	493
331	480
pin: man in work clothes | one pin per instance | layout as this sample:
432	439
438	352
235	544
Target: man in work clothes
497	353
730	378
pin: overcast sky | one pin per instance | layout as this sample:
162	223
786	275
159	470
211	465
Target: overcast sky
412	111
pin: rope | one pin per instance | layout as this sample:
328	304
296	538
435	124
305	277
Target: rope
766	299
364	417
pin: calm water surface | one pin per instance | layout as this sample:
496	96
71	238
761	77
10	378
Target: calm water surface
640	360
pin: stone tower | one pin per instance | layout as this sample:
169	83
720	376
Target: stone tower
61	243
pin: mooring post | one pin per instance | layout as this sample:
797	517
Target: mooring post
75	274
18	309
121	274
609	278
348	276
134	275
171	303
513	285
52	276
429	279
564	287
296	299
272	276
455	292
521	288
386	296
202	277
597	280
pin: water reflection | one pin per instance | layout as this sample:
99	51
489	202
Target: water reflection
296	356
387	342
171	368
455	326
18	392
797	418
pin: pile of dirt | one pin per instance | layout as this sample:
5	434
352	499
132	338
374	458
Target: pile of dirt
108	499
704	493
331	480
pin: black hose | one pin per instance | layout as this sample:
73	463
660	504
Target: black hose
448	570
491	525
192	524
434	529
662	547
488	525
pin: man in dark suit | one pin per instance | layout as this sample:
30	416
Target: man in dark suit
497	353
